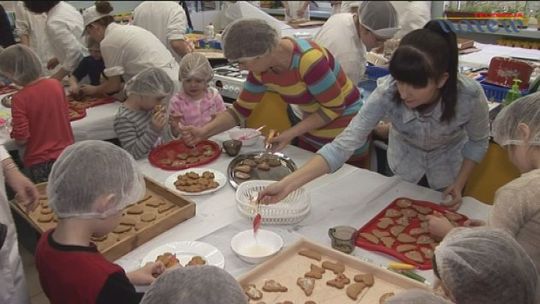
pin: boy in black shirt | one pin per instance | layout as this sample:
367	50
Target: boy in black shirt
91	66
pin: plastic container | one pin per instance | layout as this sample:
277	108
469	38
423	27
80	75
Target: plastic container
256	248
376	72
291	210
513	94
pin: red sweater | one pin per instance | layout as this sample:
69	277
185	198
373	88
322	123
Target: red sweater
40	116
80	274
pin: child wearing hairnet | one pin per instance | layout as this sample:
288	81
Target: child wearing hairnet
141	121
90	184
195	285
197	103
484	265
516	208
39	112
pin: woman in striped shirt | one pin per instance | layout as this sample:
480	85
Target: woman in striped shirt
300	71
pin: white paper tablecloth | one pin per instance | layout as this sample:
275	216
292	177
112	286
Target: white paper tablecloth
488	51
351	196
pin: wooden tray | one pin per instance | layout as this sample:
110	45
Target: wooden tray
117	244
171	151
287	266
414	222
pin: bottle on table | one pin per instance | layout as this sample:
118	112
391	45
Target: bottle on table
513	94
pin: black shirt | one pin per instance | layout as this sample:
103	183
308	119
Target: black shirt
6	33
91	67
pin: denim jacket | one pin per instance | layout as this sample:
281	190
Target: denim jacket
419	143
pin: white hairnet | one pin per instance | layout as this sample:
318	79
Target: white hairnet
416	296
20	64
379	17
195	65
485	265
248	38
524	110
195	285
153	82
92	169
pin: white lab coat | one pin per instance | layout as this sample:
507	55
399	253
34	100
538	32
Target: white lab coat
64	29
33	25
415	16
339	36
347	6
129	49
12	280
165	19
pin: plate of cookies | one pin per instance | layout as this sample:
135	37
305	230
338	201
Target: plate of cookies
196	181
259	166
176	155
186	253
401	230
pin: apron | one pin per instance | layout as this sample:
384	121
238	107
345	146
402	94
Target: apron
12	280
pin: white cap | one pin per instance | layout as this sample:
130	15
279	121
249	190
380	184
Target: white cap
90	15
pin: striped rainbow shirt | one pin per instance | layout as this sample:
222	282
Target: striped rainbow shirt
315	82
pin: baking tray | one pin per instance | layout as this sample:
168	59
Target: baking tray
415	222
288	265
117	243
173	148
275	173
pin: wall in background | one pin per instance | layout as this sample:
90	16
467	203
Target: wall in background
119	6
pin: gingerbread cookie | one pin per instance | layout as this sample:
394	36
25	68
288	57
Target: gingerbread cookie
273	286
310	254
403	221
417	231
45	218
168	259
306	284
46	210
388	241
405	238
403	203
263	167
137	209
165	208
354	290
370	237
366	278
148	217
409	212
339	281
315	273
336	268
99	238
396	230
385	222
121	229
379	233
453	216
392	213
422	209
415	256
128	221
153	203
424	239
428	253
196	261
252	292
405	247
385	297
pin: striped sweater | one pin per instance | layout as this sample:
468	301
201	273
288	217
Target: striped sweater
135	133
315	82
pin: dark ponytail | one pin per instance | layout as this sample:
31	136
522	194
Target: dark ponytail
104	7
426	54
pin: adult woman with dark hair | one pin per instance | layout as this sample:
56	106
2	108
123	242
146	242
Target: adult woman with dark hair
64	27
439	120
126	49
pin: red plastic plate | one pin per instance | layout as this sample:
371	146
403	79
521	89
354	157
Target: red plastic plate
167	156
414	222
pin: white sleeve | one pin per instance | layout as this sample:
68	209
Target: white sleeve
64	39
176	28
4	153
112	57
22	26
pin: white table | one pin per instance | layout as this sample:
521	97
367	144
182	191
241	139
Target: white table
488	51
97	124
351	196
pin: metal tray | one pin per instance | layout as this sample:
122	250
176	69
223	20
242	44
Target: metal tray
275	173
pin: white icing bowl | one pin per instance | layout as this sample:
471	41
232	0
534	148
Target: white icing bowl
247	136
258	250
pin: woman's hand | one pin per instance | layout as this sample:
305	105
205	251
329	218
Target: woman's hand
281	141
89	90
27	193
438	225
454	193
52	63
147	274
274	193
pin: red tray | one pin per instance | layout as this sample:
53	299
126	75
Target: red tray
171	151
88	102
413	222
76	114
7	89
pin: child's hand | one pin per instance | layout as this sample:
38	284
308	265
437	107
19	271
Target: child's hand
89	90
454	193
192	135
438	225
159	120
147	274
52	63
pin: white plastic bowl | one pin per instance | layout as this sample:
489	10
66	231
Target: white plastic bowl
247	136
258	250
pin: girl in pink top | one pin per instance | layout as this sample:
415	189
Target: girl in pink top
197	103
